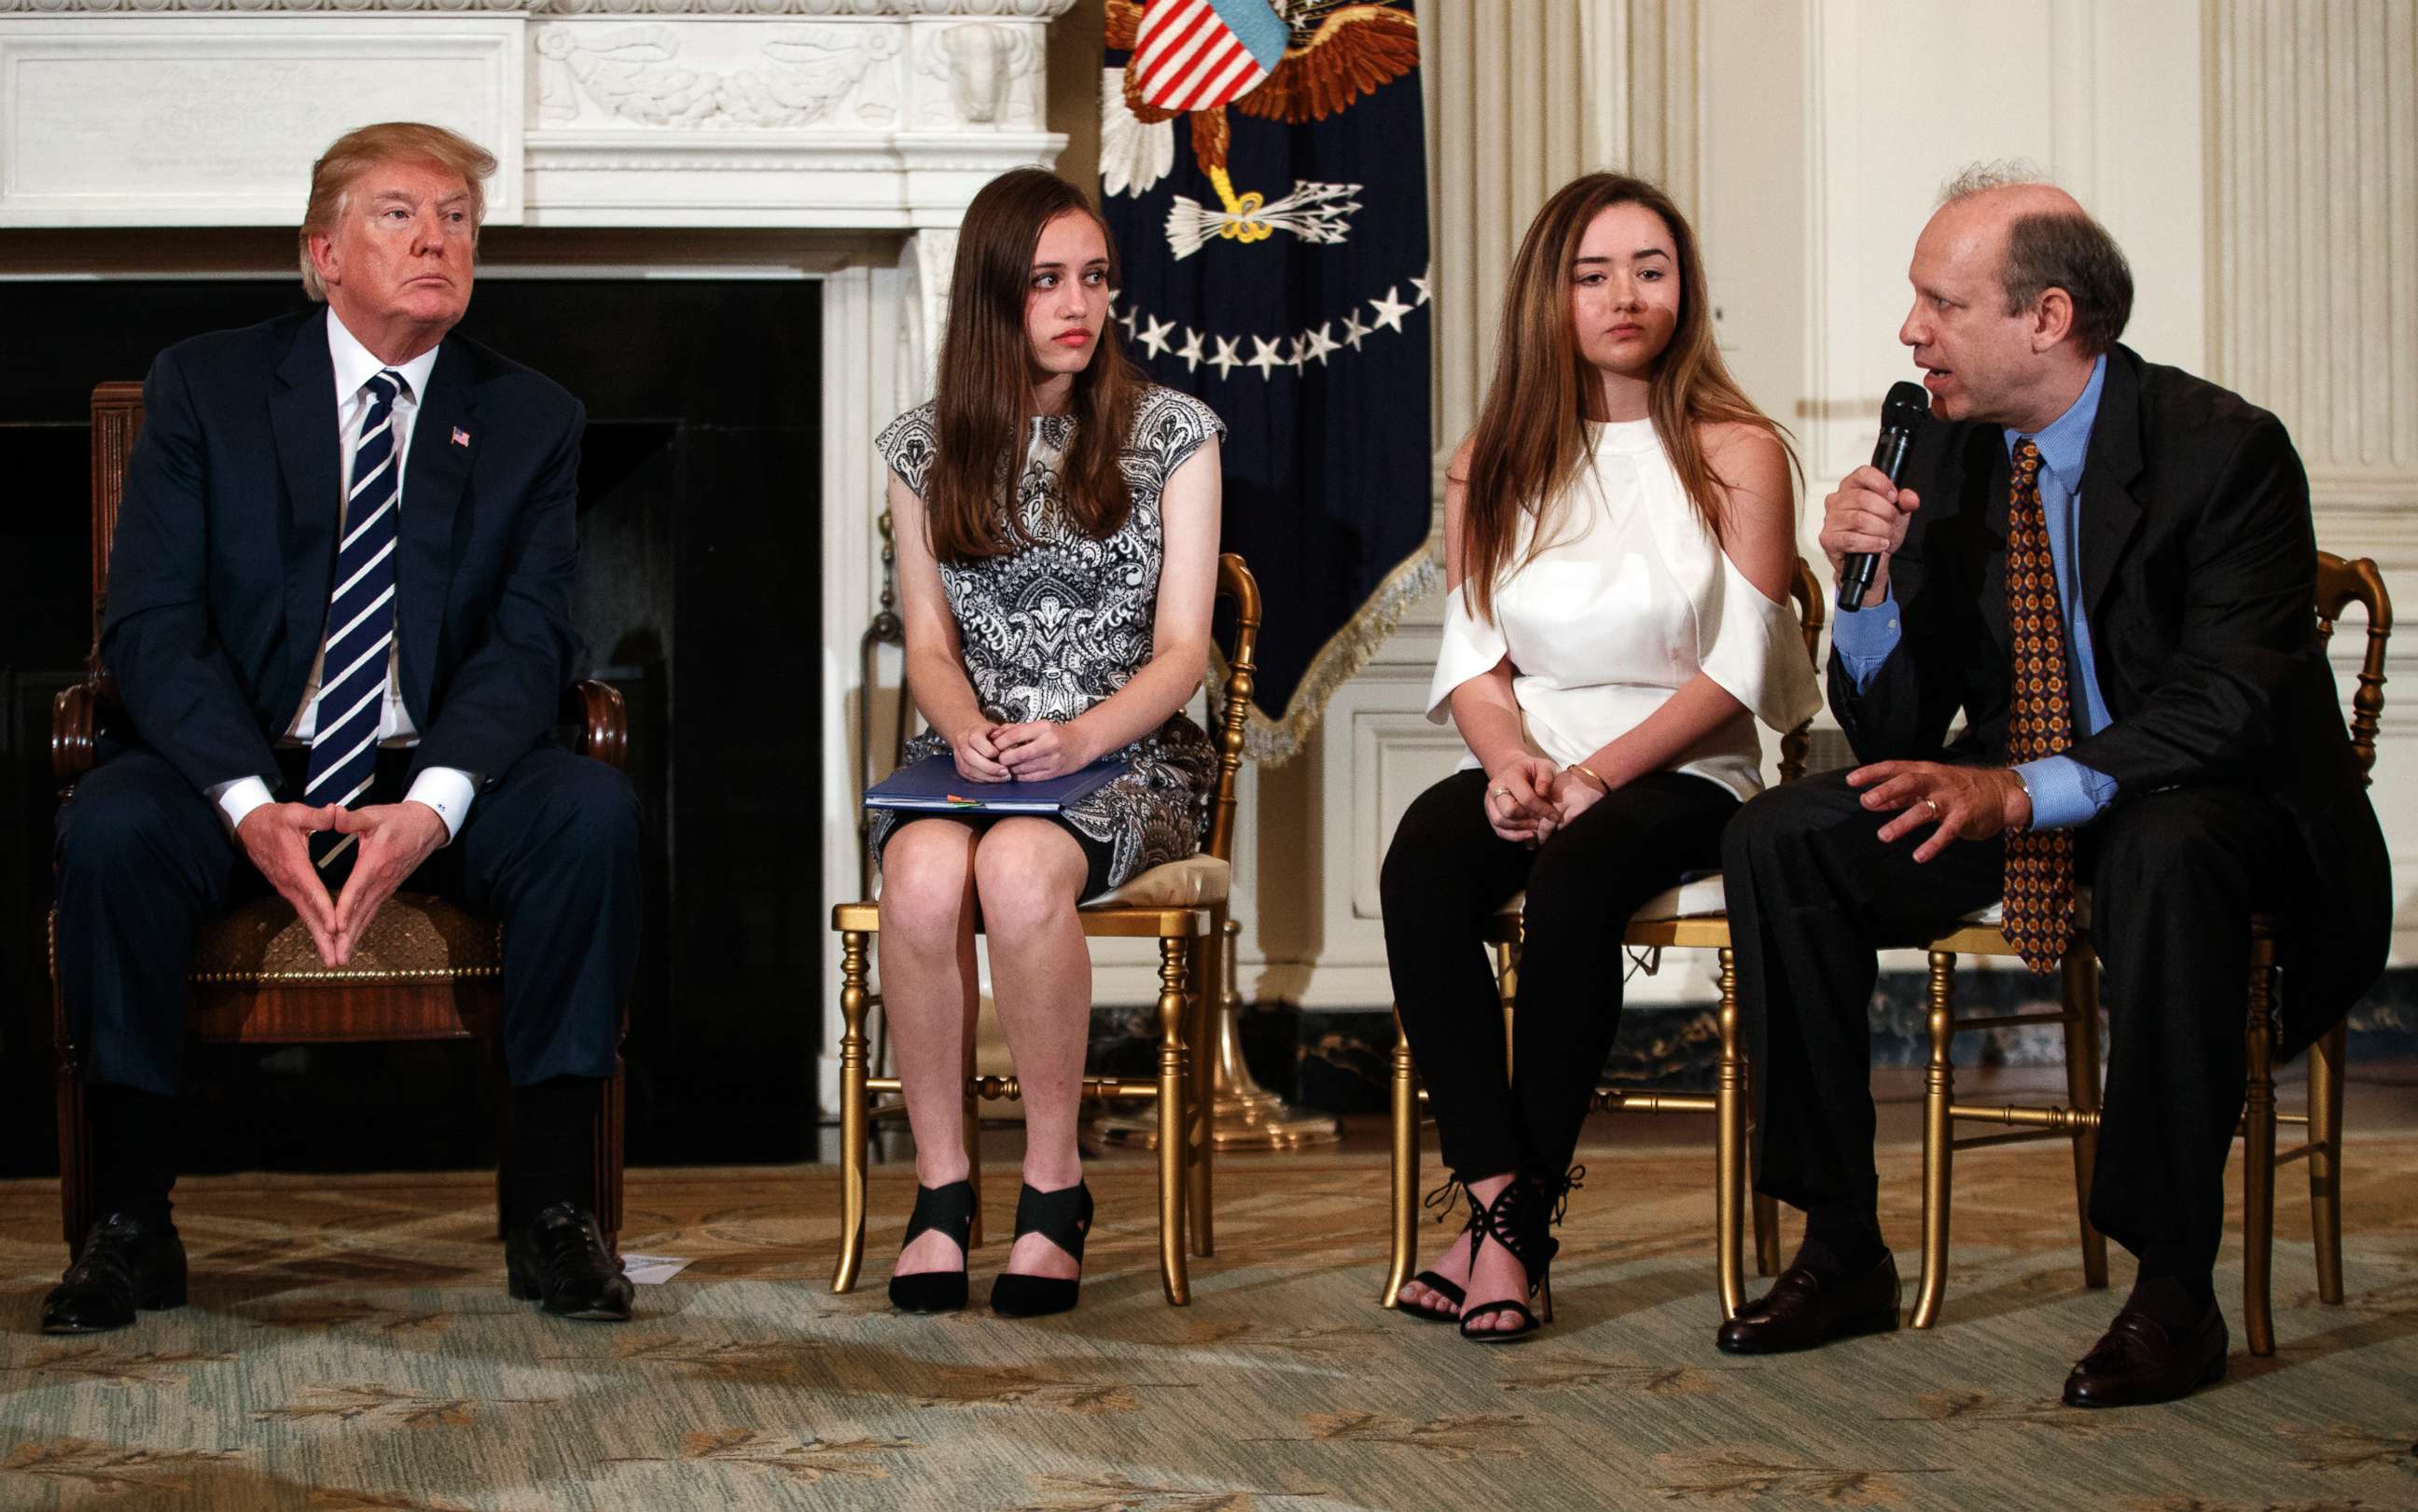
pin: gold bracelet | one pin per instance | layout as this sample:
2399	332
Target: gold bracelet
1581	766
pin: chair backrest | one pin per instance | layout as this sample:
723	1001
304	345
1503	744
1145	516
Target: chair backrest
1813	613
116	417
1232	709
2340	584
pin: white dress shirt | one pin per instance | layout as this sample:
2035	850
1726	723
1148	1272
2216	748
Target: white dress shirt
446	789
1630	599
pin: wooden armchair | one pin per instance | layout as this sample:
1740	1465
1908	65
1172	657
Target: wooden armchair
2340	584
426	970
1181	905
1688	918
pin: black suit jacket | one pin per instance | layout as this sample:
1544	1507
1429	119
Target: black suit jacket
2198	571
226	551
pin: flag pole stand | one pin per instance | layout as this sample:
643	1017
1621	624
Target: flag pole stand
1243	1115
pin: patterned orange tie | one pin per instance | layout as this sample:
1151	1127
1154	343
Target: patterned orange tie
2039	915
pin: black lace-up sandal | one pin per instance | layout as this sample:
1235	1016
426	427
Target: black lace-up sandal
1521	1219
1064	1218
1444	1199
951	1209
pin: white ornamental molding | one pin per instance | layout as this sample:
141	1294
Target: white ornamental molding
869	9
791	77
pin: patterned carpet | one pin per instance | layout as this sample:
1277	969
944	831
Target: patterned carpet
352	1348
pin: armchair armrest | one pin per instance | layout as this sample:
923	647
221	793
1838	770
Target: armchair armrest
596	711
78	715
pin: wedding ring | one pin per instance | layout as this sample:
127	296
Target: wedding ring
1500	792
1933	804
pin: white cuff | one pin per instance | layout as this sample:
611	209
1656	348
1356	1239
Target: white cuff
449	791
238	798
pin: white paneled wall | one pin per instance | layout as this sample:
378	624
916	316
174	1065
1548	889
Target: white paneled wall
2258	163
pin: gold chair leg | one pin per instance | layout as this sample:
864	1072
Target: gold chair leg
1405	1192
2259	1159
2326	1063
1729	1147
1174	1005
970	1130
1938	1137
1208	999
2082	1092
851	1110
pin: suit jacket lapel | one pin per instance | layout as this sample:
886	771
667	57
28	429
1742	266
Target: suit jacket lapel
436	471
302	415
2111	512
1986	468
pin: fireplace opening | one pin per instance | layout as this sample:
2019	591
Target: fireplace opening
698	596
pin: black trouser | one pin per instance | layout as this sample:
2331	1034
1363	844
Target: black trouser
1447	873
142	858
1813	892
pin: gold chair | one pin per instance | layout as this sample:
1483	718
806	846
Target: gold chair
1181	905
427	970
1688	917
2339	584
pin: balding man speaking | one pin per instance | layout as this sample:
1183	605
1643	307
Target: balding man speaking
2105	567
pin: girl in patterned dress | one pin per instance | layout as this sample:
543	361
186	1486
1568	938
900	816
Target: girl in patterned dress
1057	524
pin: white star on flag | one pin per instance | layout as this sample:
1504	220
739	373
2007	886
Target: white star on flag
1227	359
1426	288
1354	331
1265	357
1190	350
1154	335
1320	343
1390	311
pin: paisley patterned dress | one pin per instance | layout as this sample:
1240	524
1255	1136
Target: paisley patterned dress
1053	628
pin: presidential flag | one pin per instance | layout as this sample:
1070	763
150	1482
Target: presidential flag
1262	167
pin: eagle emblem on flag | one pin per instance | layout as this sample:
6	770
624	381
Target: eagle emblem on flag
1288	61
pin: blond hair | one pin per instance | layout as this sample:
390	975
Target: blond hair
363	148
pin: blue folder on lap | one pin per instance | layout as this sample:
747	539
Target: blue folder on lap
933	784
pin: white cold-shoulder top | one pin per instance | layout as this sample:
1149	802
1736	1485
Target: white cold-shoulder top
1630	597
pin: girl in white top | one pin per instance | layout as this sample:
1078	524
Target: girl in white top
1619	539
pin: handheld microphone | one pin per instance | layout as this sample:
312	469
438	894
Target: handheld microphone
1902	413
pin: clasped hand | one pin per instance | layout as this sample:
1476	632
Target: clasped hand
1035	751
1960	802
393	840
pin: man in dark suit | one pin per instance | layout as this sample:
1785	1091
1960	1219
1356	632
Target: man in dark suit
339	622
2107	568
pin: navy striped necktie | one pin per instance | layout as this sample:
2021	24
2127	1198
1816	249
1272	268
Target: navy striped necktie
360	622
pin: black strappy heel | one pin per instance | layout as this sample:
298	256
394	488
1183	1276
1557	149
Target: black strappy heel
1521	1219
1064	1218
951	1209
1443	1200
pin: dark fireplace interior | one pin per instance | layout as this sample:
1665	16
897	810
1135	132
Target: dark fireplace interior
698	597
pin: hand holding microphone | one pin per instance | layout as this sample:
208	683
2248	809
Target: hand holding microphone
1863	522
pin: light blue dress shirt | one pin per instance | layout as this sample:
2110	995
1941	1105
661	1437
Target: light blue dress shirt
2064	791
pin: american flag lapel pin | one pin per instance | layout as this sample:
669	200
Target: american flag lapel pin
461	436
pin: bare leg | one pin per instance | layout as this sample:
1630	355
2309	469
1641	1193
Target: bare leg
928	990
1029	874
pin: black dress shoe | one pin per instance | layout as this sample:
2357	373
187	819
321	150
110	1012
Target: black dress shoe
2139	1360
1802	1309
129	1263
559	1258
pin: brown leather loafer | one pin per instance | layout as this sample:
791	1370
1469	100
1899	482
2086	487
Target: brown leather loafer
1803	1310
2138	1361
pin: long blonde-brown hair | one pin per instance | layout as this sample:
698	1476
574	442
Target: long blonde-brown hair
984	397
1531	440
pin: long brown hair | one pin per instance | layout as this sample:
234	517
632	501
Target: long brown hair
985	394
1531	440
